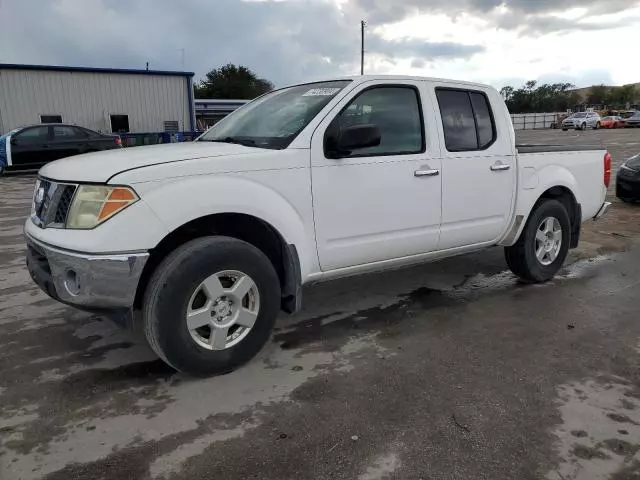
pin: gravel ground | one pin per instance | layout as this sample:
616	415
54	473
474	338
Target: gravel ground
451	370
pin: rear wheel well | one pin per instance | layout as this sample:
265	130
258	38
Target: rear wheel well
566	197
244	227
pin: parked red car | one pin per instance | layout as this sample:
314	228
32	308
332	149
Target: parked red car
612	122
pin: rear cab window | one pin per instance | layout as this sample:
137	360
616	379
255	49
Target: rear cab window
467	119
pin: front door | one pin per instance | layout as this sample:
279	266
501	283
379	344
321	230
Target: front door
29	147
382	202
478	166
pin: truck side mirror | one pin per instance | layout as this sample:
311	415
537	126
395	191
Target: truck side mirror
354	137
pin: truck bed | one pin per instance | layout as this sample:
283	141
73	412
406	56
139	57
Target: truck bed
532	148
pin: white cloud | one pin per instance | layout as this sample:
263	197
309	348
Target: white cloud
295	40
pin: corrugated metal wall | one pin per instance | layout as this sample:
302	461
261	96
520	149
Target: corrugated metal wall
89	98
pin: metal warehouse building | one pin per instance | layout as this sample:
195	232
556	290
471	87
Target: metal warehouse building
102	99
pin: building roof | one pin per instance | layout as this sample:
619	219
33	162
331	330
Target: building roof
60	68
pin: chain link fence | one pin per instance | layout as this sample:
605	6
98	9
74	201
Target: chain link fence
533	121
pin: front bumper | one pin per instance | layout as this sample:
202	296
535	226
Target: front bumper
87	281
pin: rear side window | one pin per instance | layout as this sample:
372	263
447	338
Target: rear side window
467	120
63	132
81	132
484	120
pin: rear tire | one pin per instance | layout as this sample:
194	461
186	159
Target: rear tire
565	129
596	126
522	257
173	291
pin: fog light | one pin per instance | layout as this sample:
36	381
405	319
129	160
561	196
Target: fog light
72	283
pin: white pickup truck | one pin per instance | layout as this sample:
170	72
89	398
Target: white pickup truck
203	243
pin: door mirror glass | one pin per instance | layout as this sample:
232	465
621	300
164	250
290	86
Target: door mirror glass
355	137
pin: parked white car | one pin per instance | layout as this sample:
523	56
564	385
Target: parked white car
203	243
582	120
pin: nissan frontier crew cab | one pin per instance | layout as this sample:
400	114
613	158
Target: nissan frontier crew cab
201	244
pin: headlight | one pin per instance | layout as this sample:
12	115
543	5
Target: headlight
92	205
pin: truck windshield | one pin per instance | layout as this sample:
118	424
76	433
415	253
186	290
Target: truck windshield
274	120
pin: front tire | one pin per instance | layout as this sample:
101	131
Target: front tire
543	245
583	126
210	305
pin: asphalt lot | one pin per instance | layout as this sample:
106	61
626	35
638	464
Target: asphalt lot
451	370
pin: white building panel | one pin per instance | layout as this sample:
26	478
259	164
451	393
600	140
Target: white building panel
89	97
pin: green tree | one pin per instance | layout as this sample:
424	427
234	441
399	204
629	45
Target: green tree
574	99
597	95
232	82
506	92
532	98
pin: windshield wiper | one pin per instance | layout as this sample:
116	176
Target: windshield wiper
247	142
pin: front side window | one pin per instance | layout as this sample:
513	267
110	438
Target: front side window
33	135
466	119
275	119
397	114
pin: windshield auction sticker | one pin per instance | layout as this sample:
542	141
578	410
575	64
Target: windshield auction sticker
321	92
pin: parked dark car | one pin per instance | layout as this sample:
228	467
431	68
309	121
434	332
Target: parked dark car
628	180
633	121
33	146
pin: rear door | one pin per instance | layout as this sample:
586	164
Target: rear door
30	147
478	165
66	142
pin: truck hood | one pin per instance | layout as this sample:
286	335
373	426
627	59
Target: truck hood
99	167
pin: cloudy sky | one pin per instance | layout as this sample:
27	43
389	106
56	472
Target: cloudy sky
495	41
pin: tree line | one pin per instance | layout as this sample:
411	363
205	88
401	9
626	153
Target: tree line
231	81
239	82
558	97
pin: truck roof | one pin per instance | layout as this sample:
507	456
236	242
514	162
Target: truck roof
364	78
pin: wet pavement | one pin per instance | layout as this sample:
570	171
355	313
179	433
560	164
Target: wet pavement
452	370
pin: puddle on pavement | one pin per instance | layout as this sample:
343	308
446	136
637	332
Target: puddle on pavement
327	330
599	437
129	417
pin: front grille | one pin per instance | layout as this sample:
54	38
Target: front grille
64	204
52	211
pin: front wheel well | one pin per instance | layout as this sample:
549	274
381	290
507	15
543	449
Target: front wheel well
244	227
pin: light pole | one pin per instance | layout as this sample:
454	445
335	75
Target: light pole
362	25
